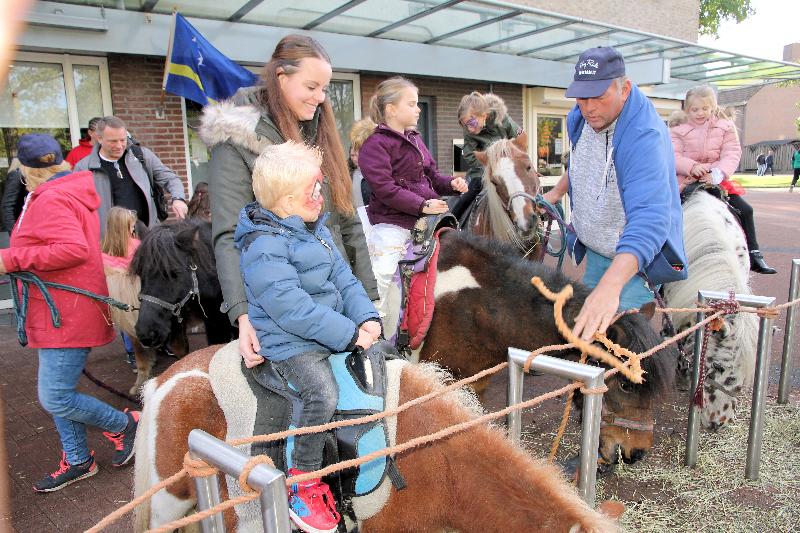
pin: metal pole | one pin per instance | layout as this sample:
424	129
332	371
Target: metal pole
270	481
515	380
759	387
755	437
592	377
692	428
785	383
207	497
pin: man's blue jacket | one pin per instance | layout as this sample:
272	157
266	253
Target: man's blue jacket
645	165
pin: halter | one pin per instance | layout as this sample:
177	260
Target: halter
177	308
607	418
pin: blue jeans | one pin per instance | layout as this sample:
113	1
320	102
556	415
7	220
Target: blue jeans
127	341
634	294
311	375
59	371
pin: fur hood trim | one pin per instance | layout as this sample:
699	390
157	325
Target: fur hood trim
228	122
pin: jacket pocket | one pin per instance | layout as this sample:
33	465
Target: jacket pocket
667	266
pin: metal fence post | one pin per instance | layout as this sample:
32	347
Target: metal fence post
515	380
692	426
207	497
760	382
269	481
785	383
592	378
761	375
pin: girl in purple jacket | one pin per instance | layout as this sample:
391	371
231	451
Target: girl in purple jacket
404	179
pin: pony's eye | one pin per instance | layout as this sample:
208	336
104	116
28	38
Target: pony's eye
528	168
625	386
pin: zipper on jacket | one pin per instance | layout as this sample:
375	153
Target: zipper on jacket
325	244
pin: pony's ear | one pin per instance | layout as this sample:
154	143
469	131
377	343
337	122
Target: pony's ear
617	334
521	142
481	156
185	239
648	310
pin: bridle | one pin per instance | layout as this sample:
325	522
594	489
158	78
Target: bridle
608	418
177	309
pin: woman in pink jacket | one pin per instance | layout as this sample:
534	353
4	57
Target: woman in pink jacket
707	150
57	237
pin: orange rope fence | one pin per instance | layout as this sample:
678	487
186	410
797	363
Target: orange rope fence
631	369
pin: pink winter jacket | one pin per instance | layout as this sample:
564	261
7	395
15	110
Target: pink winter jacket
715	143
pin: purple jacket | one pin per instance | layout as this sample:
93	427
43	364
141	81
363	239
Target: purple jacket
402	174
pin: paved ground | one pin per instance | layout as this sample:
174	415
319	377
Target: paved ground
34	449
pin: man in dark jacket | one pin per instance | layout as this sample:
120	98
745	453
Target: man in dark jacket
122	180
13	199
769	161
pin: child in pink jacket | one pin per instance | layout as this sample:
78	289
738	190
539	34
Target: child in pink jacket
707	150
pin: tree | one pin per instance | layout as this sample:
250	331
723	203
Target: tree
712	12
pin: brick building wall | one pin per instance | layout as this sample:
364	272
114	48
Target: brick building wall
135	96
446	94
673	18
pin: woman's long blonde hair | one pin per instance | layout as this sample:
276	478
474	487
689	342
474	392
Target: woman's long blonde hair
287	56
33	177
118	231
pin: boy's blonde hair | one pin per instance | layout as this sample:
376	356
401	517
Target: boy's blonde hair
360	132
707	92
387	92
118	231
473	102
281	168
497	105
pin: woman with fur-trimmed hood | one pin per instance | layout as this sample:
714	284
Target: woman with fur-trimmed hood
289	104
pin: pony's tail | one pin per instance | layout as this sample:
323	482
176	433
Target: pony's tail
143	463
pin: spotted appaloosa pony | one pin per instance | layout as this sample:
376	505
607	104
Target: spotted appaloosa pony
504	210
718	261
485	303
474	481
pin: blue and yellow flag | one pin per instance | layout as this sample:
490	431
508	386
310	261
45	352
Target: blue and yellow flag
198	71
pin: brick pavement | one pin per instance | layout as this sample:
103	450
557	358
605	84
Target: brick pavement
34	449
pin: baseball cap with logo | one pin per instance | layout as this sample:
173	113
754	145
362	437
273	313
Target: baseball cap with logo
595	69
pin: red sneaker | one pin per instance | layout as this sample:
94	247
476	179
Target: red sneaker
123	441
311	505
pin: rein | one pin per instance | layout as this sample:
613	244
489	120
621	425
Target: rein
177	309
20	302
554	214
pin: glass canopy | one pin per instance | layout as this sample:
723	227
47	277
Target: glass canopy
484	25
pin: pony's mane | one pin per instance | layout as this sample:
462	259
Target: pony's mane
517	272
160	253
502	226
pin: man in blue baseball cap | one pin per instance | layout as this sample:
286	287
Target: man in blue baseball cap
626	211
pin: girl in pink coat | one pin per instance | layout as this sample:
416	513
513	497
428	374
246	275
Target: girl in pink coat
707	150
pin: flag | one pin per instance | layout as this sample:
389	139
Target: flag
198	71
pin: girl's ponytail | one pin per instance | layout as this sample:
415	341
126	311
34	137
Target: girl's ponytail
387	92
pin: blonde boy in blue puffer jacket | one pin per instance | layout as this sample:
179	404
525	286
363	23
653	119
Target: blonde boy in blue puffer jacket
304	303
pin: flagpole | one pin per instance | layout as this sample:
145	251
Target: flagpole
167	61
168	58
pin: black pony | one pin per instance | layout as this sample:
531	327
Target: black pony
179	284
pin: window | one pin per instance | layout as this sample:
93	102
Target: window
49	93
345	98
550	144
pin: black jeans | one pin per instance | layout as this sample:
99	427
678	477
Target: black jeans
795	176
746	219
312	377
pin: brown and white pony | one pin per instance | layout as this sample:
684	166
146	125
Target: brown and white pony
505	211
484	303
474	481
